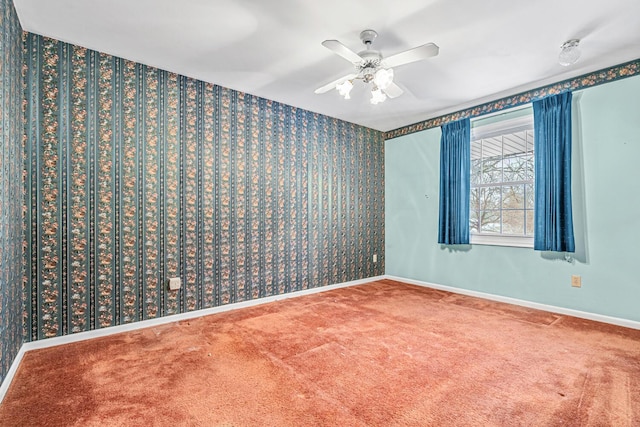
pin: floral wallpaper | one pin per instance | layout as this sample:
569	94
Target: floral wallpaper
11	186
136	175
588	80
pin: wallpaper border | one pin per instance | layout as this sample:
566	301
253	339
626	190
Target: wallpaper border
584	81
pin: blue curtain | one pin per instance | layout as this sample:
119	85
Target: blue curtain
455	166
553	215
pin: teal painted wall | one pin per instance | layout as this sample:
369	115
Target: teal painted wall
606	203
136	175
11	186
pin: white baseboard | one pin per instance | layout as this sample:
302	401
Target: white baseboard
52	342
6	382
551	308
82	336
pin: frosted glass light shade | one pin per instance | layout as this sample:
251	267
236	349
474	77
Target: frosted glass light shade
377	96
383	78
344	88
569	53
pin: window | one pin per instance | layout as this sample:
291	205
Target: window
502	179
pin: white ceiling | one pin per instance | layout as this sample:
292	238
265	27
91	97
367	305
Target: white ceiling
488	49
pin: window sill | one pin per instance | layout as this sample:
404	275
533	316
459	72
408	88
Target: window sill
499	240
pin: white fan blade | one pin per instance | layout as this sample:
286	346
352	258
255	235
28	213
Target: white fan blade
342	50
393	90
412	55
332	85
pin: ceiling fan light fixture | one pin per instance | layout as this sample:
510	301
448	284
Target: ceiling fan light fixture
344	88
383	78
569	52
377	96
372	68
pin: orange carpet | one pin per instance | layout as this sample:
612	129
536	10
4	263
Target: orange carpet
380	354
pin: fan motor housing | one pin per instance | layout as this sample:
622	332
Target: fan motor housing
370	55
371	60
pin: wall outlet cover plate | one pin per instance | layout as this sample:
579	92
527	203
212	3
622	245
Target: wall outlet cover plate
174	284
576	281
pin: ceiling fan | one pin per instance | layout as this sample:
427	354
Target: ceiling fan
372	67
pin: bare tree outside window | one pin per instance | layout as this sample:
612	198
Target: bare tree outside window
502	197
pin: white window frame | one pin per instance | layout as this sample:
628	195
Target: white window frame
495	129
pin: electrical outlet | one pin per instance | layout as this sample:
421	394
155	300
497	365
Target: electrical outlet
576	281
375	258
174	284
